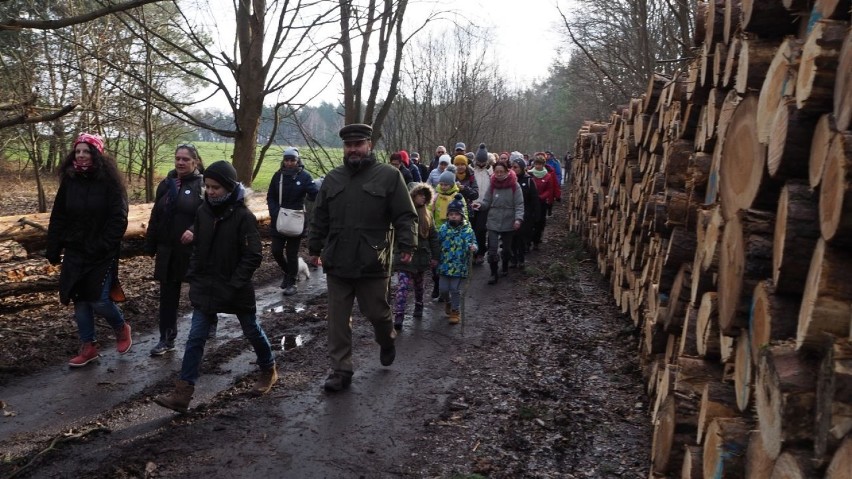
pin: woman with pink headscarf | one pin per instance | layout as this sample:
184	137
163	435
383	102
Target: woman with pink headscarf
87	223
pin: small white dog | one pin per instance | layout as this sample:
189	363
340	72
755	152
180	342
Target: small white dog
304	273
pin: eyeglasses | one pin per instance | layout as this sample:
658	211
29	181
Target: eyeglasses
188	146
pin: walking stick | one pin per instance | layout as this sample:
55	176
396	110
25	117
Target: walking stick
463	292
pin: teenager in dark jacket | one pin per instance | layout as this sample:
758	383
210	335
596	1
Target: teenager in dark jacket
289	188
421	168
227	253
396	161
169	236
523	236
87	222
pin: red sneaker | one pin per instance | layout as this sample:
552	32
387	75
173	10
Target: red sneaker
123	339
88	353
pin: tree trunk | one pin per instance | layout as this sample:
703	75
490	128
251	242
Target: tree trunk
774	317
835	193
833	399
692	463
785	392
746	258
790	142
732	19
756	55
820	56
707	327
824	131
827	299
843	86
758	463
744	182
796	234
779	83
743	370
718	400
724	448
767	18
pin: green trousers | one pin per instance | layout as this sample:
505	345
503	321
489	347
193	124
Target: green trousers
372	296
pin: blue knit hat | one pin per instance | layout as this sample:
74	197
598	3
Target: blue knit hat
456	205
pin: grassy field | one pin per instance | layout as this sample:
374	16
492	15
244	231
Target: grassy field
15	159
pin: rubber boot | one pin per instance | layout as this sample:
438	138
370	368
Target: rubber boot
177	400
493	278
88	353
264	382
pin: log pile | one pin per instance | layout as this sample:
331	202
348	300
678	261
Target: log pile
23	268
719	207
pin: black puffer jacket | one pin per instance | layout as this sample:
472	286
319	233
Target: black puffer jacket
227	253
88	221
294	189
173	213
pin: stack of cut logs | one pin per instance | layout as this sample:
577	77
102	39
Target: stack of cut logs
719	206
23	268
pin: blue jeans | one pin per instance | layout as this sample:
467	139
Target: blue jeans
84	313
198	332
451	285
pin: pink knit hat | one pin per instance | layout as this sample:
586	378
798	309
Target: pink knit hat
95	140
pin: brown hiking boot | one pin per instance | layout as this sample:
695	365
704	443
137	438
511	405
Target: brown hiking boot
455	317
264	382
177	400
88	353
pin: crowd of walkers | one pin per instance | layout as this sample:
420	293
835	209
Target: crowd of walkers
369	221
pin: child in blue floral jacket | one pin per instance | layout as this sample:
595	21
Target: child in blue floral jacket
458	244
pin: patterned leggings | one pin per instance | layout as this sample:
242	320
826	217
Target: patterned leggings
404	283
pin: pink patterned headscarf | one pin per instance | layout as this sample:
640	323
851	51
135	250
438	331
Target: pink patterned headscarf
95	140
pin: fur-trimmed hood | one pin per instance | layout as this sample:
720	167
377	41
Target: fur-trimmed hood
426	189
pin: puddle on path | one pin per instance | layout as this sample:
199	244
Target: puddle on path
292	341
289	308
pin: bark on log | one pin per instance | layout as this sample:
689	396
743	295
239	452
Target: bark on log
756	56
653	92
843	86
732	19
743	370
693	467
820	57
12	251
790	142
767	18
746	258
725	448
774	317
707	327
793	464
835	194
676	156
824	131
827	299
718	400
744	182
834	9
833	399
674	425
841	463
731	63
796	234
678	300
31	230
28	276
758	463
688	338
699	173
714	22
729	107
785	393
780	82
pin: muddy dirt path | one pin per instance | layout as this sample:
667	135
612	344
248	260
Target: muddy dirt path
541	381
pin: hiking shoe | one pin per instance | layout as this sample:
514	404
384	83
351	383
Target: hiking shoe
162	348
418	310
336	382
212	333
264	382
290	290
455	316
88	353
123	339
387	355
177	400
447	308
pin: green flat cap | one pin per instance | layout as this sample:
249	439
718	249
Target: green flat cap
356	132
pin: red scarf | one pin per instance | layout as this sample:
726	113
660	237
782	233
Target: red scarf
511	181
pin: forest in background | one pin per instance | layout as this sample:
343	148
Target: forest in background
139	72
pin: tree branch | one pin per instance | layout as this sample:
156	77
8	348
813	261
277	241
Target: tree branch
22	23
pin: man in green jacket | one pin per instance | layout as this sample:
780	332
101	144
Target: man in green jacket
360	207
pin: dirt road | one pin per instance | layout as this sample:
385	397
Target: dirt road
541	381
